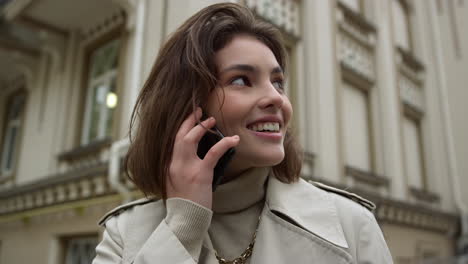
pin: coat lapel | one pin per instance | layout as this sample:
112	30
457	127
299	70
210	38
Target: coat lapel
310	207
279	241
315	236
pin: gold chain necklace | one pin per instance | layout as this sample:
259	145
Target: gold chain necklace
245	255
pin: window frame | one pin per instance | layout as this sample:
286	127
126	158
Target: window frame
82	138
414	115
366	92
5	175
68	240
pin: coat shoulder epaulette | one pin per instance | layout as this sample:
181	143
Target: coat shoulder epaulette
352	196
122	208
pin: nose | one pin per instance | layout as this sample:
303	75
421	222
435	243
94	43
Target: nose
271	97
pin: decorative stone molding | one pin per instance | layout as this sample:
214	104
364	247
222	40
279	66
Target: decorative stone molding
356	79
68	187
366	176
410	82
356	44
283	14
410	93
361	23
129	6
88	155
412	112
395	212
108	24
408	59
424	195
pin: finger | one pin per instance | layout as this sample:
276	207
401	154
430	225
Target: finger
198	131
189	123
218	150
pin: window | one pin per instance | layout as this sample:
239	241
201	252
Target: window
401	24
101	93
12	132
356	126
80	250
413	152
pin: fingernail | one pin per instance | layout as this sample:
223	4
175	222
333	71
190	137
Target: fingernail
236	137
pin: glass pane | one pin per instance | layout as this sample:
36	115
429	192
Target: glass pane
104	59
81	250
104	62
110	107
11	149
11	132
99	95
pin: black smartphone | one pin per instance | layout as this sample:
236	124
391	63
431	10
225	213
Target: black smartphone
208	141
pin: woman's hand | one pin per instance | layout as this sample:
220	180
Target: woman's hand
189	176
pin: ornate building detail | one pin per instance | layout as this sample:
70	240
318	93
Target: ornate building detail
355	56
109	23
57	190
411	215
84	156
410	92
283	13
410	79
356	41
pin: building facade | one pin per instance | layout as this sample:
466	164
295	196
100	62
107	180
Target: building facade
378	89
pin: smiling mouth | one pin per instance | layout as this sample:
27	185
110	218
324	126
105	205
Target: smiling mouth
267	127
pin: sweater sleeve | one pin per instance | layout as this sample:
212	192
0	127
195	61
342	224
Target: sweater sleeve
189	222
177	239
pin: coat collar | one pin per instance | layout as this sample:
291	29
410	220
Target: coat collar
313	209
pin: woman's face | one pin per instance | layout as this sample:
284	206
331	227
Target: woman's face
250	102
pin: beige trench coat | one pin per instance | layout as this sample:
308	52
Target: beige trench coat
301	223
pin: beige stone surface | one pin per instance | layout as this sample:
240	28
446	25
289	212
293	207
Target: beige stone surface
39	239
410	243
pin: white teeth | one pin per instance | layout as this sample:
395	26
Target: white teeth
269	126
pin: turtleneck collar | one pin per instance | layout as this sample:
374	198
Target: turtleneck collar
242	192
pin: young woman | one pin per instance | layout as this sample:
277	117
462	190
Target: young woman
227	65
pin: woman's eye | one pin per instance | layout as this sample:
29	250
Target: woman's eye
241	81
278	85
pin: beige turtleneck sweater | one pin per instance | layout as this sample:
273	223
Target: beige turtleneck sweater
230	224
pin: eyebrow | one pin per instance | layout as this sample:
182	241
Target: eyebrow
249	68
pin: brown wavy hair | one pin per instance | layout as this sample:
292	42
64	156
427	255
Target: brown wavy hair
182	77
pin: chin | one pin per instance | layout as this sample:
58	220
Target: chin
268	159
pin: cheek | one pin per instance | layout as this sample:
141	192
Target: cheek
287	110
215	100
225	107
